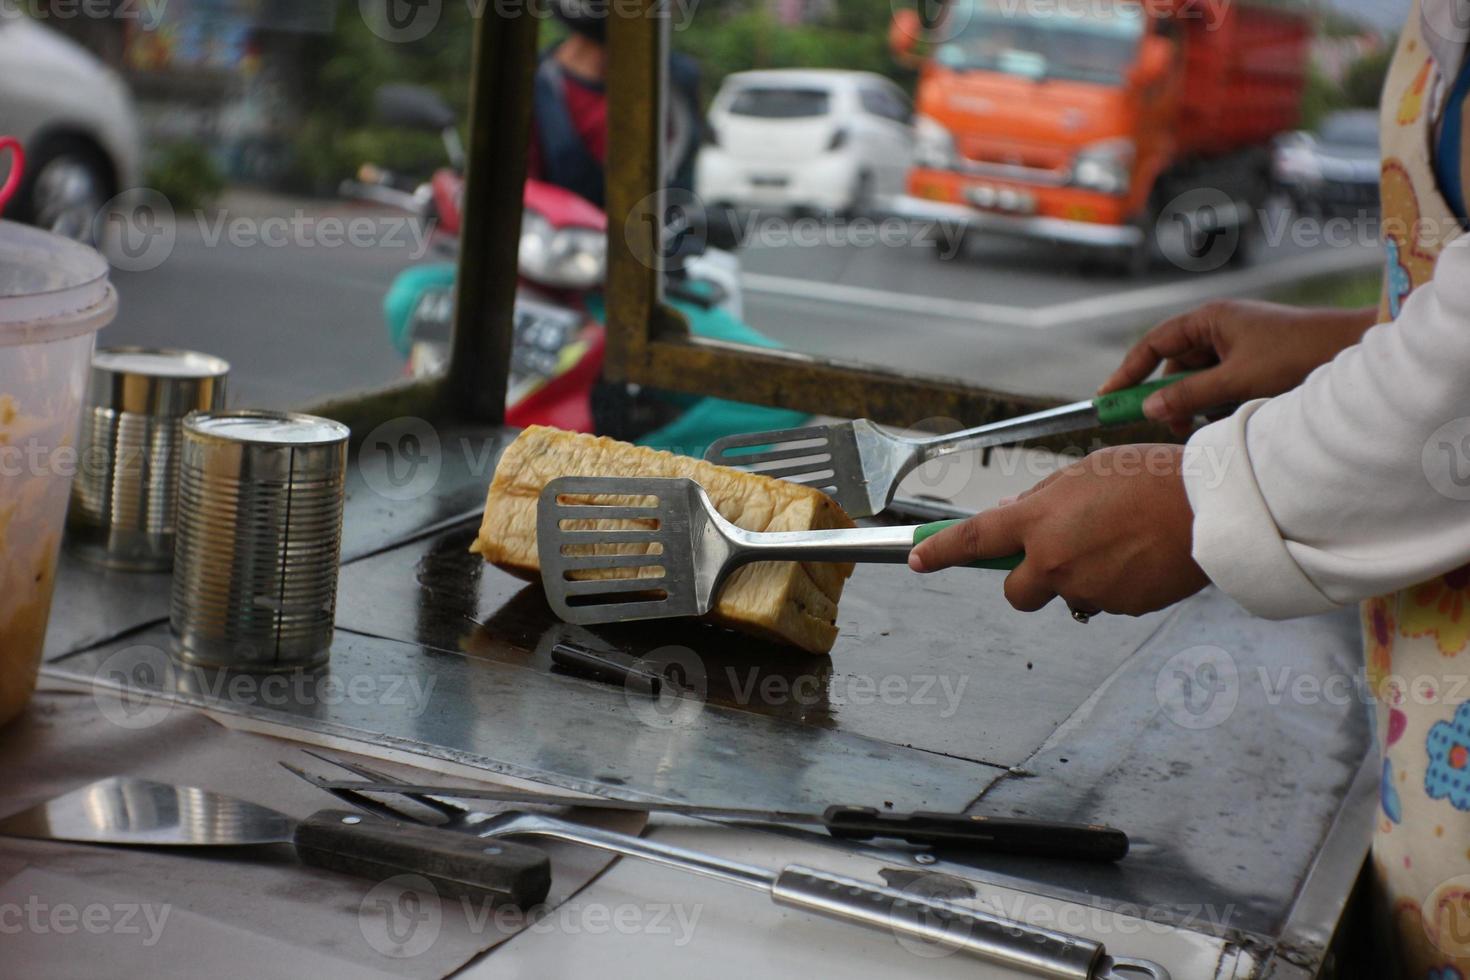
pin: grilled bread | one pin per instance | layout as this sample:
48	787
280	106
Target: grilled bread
788	602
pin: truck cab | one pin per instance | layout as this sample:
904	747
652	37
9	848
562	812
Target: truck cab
1081	123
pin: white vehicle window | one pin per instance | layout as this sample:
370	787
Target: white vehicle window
885	104
769	102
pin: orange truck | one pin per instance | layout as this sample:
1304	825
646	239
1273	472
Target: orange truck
1123	127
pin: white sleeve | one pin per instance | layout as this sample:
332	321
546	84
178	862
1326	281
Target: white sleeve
1355	484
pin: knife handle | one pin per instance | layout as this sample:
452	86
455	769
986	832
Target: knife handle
457	865
1035	838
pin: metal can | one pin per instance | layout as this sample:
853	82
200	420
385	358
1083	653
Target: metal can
123	498
259	539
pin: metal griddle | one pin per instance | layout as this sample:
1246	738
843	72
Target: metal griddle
1056	721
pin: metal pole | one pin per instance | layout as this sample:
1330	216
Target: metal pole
500	126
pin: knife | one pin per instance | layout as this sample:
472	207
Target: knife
1033	838
142	813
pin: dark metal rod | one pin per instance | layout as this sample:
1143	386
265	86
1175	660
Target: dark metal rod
500	128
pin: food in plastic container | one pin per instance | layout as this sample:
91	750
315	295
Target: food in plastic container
54	297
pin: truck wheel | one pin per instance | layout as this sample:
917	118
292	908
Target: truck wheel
952	245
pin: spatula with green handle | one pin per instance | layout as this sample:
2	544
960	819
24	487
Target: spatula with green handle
860	464
615	550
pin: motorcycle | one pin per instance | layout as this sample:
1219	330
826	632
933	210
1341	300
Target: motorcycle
560	336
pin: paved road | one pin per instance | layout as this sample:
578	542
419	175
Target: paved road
1016	316
301	318
297	321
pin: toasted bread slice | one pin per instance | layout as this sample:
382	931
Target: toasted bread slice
789	602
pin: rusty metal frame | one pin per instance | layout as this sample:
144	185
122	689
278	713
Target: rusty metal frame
649	343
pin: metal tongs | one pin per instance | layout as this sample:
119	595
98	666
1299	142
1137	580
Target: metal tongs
908	915
860	464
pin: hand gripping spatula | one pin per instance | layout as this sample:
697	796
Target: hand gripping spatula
615	550
142	813
860	465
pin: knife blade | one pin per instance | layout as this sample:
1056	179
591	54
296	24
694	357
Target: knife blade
1007	835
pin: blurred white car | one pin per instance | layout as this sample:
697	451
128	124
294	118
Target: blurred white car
832	141
74	117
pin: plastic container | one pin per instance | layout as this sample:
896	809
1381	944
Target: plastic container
54	297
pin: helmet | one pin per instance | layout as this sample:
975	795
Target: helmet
585	17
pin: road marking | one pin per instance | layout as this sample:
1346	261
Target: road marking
1137	303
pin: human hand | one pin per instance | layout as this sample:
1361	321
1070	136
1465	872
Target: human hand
1111	533
1242	349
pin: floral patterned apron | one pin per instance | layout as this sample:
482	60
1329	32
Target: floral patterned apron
1417	643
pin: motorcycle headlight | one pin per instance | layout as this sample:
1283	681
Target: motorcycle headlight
565	258
1105	167
934	146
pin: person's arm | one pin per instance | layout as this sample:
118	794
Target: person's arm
1356	483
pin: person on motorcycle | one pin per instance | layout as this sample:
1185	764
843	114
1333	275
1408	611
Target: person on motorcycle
569	113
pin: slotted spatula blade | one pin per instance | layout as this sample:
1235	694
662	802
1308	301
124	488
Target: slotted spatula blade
616	550
828	458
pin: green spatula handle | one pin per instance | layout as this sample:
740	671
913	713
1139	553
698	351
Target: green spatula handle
928	531
1125	406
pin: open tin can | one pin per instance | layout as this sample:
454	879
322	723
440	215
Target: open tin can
124	495
259	539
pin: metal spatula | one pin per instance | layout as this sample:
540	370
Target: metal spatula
141	813
615	550
860	464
